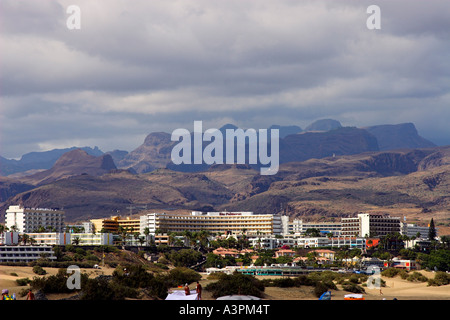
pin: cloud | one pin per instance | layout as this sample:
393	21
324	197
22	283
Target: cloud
154	65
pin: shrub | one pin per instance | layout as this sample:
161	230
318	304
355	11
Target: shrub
161	265
354	288
39	270
182	275
80	251
236	284
69	248
102	289
23	282
55	283
442	278
91	257
136	276
320	288
14	274
417	277
390	272
283	282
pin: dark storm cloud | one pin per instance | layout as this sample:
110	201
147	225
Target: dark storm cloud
142	66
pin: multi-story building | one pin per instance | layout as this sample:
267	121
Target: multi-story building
50	238
55	238
297	226
351	242
90	239
112	225
27	220
25	253
413	230
370	224
215	222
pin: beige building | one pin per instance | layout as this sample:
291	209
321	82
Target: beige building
213	222
112	224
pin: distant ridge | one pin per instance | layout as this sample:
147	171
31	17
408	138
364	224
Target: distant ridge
72	163
324	125
399	136
321	138
39	160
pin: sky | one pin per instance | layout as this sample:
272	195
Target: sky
136	67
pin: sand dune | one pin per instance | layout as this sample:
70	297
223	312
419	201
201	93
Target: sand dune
395	287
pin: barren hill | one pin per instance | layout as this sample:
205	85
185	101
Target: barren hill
72	163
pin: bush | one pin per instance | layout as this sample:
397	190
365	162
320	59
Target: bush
55	283
80	251
23	282
39	270
14	274
417	277
442	278
92	257
320	288
354	288
236	284
102	289
69	248
390	272
135	277
181	276
184	257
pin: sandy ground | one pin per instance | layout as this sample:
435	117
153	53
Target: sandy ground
8	278
395	287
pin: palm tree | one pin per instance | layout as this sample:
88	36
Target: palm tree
123	232
24	239
146	233
76	241
141	240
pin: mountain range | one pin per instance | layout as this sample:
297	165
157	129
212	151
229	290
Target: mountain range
320	139
323	174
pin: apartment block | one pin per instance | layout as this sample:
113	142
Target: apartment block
50	238
25	253
112	224
61	239
215	222
370	224
31	219
412	230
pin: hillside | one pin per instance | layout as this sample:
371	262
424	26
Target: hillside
39	160
75	162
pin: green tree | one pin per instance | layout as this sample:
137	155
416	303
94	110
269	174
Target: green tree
147	233
184	257
312	232
432	231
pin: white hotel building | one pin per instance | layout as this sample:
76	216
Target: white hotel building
215	222
56	238
30	219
